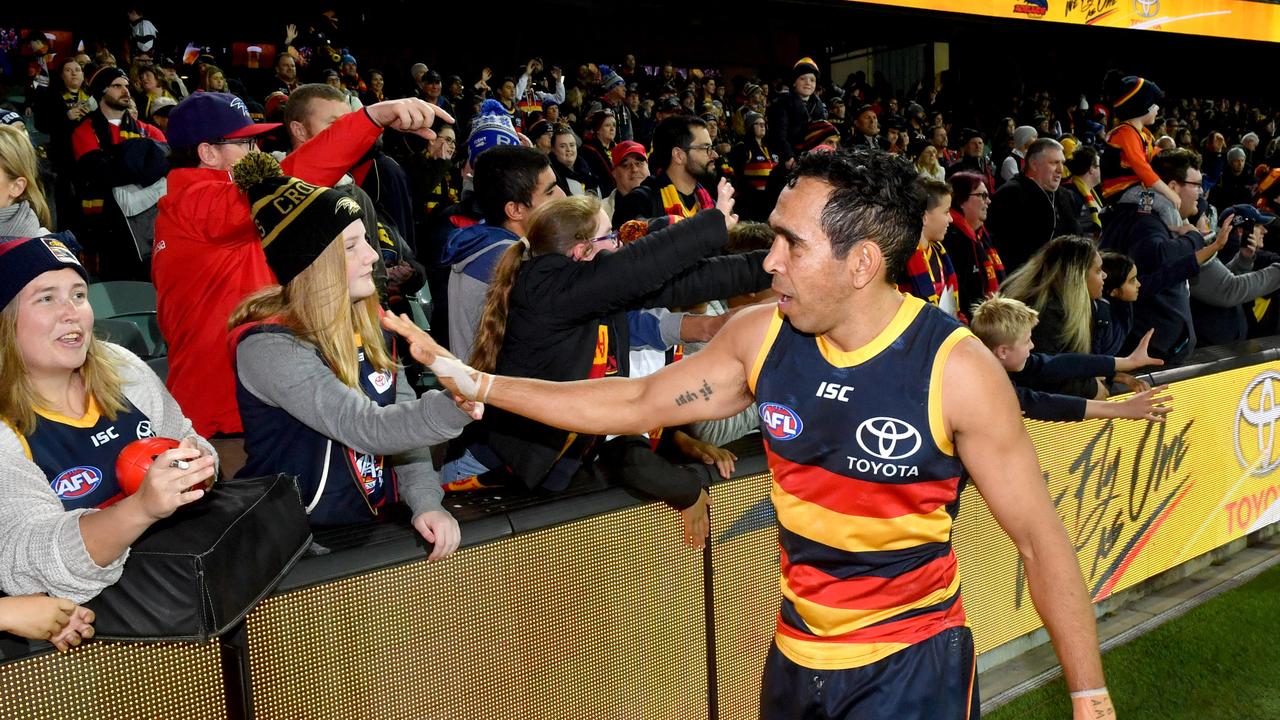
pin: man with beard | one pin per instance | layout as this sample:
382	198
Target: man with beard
872	624
682	157
112	148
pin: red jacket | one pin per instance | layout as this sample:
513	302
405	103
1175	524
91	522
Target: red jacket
208	257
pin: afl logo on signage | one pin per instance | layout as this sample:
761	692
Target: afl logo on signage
1255	426
781	422
887	438
76	482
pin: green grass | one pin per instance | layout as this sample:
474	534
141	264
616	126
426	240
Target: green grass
1221	661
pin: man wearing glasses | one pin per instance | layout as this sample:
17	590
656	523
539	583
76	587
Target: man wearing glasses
208	252
1167	249
682	158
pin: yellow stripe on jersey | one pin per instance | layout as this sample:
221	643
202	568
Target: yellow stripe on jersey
852	533
90	418
907	312
770	336
937	424
834	656
824	621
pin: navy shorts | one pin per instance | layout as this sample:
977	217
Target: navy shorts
932	680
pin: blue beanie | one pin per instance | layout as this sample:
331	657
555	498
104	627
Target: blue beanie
491	128
24	259
609	79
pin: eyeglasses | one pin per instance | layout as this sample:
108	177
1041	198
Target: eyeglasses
610	241
1199	184
448	140
245	142
984	196
708	147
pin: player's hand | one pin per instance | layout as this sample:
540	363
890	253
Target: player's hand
724	203
409	115
168	482
1093	708
458	377
1147	405
78	629
441	530
697	521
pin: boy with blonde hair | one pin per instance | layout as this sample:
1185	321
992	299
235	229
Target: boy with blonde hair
1004	326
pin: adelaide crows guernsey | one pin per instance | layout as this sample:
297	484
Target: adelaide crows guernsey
339	485
78	455
866	485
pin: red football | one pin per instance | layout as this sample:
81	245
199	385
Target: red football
136	458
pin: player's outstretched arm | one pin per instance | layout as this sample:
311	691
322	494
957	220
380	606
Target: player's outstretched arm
710	384
982	413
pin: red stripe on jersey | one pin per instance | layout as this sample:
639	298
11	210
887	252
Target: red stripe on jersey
869	592
860	498
908	631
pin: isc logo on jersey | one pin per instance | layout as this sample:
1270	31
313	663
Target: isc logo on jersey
780	421
76	482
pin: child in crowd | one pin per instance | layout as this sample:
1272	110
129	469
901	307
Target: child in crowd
319	390
1113	312
930	274
1004	326
1130	145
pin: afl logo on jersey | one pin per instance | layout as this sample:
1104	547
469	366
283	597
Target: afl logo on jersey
781	422
888	438
76	482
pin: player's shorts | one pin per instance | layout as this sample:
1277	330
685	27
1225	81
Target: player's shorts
935	679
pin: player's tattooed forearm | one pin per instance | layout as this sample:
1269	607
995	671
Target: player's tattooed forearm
704	392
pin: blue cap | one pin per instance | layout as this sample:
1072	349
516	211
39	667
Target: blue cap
206	117
1248	213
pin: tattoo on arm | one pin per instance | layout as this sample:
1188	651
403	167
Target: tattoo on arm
689	396
1101	710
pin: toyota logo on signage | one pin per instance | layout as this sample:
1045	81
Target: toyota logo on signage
888	438
1147	8
1255	428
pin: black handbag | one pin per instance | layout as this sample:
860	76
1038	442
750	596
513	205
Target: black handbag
197	573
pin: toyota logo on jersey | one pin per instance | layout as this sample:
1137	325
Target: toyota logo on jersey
780	421
76	482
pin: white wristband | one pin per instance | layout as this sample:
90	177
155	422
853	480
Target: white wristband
472	384
1095	692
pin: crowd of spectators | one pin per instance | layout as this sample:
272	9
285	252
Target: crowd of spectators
1119	220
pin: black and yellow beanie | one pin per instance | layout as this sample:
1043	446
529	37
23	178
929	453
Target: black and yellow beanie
296	220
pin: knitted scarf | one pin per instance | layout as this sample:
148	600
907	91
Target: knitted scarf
673	205
984	253
932	278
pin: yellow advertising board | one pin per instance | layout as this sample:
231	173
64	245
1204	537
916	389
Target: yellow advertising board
1233	19
1137	499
